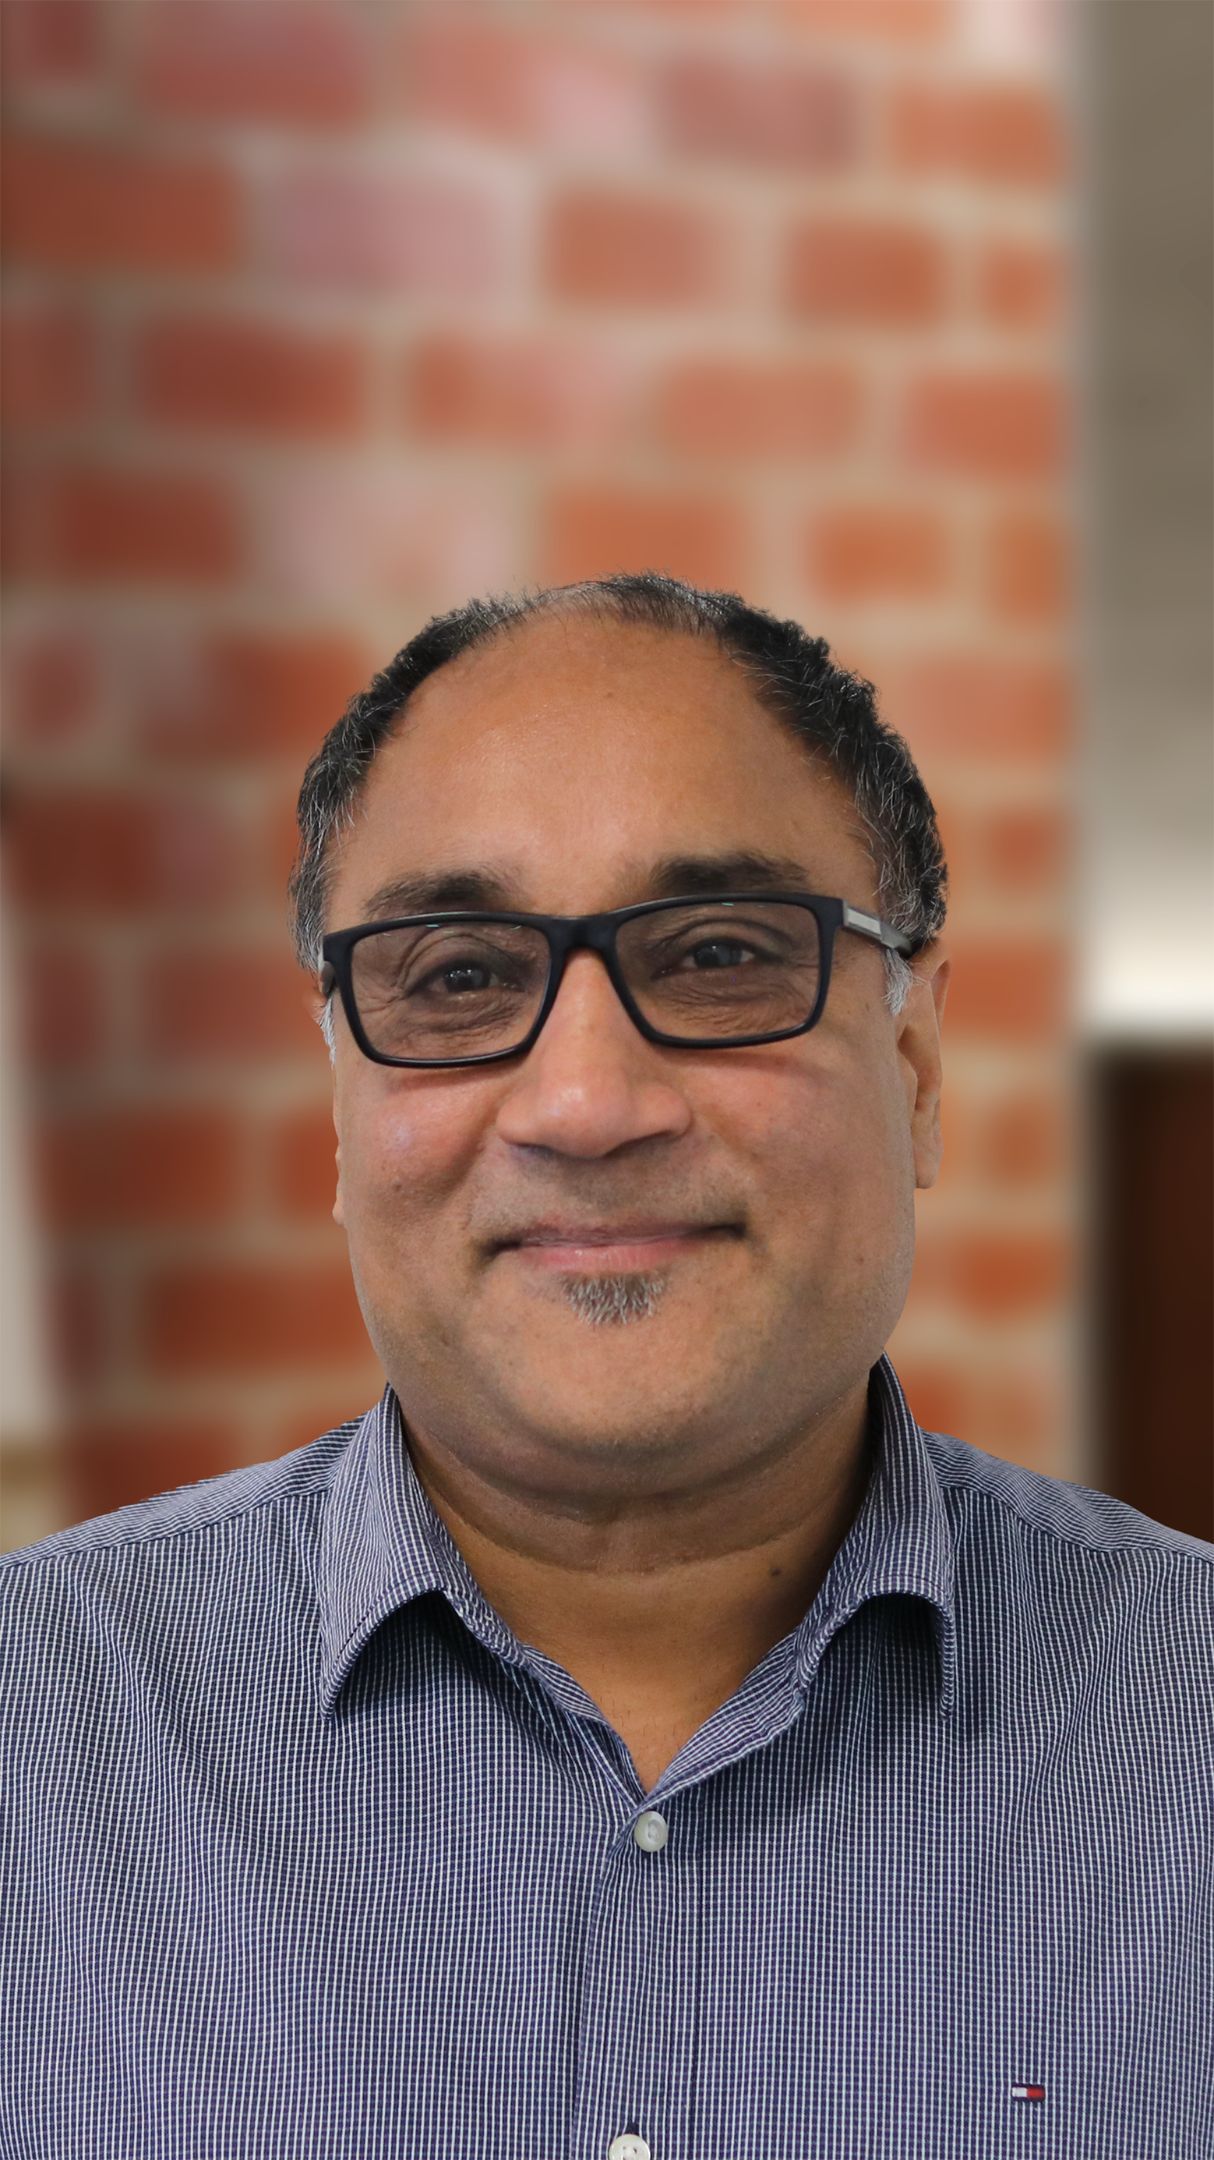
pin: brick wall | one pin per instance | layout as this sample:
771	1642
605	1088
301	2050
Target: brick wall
320	318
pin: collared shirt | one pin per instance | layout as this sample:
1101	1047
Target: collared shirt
308	1856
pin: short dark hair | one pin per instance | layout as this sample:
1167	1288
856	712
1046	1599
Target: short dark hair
832	714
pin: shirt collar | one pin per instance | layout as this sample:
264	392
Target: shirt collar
382	1544
900	1543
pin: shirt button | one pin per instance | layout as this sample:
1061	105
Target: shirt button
651	1833
628	2147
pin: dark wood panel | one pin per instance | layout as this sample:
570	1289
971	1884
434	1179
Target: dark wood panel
1153	1338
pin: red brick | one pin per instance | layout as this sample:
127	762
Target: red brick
1023	284
278	845
859	552
761	408
78	205
1020	1415
62	1007
344	537
339	1402
632	250
1001	425
282	61
84	851
866	270
135	1167
80	1339
778	112
1008	990
50	44
251	1317
959	705
590	532
225	1003
528	392
938	1391
1023	849
1003	132
894	22
1029	575
246	695
110	1462
24	517
368	229
201	371
1026	848
52	685
691	13
538	88
111	525
299	1154
1009	1274
48	364
1027	1140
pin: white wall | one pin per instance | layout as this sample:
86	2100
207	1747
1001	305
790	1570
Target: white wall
1148	771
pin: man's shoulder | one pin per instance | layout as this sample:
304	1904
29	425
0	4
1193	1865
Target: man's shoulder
165	1528
1040	1560
1056	1508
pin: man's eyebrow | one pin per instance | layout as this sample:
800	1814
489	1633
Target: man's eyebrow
482	885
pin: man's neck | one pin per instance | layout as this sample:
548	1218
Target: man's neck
648	1611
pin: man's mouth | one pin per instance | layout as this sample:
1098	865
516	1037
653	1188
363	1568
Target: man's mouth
616	1248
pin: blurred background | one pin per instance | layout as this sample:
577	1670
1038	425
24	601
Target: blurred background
893	315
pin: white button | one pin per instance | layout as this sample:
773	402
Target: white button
628	2147
651	1834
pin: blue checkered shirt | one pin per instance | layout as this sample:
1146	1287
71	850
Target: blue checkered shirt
307	1856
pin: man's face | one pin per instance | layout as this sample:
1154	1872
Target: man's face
569	754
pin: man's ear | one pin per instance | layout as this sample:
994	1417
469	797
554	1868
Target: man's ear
338	1206
919	1049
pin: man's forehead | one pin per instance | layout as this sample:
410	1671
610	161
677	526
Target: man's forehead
537	777
561	668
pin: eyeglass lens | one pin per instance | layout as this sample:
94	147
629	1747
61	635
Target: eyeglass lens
705	971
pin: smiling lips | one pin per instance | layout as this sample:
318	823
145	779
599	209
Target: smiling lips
621	1249
614	1234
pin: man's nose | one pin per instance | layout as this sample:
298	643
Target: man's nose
591	1081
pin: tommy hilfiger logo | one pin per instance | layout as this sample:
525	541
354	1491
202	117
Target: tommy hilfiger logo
1028	2092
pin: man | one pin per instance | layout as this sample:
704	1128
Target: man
633	1739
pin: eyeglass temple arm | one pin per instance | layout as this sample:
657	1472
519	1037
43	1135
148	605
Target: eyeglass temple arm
871	926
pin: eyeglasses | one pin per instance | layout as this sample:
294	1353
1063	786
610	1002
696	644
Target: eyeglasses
465	989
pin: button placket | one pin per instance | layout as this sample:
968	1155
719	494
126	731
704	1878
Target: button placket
640	2008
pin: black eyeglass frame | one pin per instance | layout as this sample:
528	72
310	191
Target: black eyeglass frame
566	934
